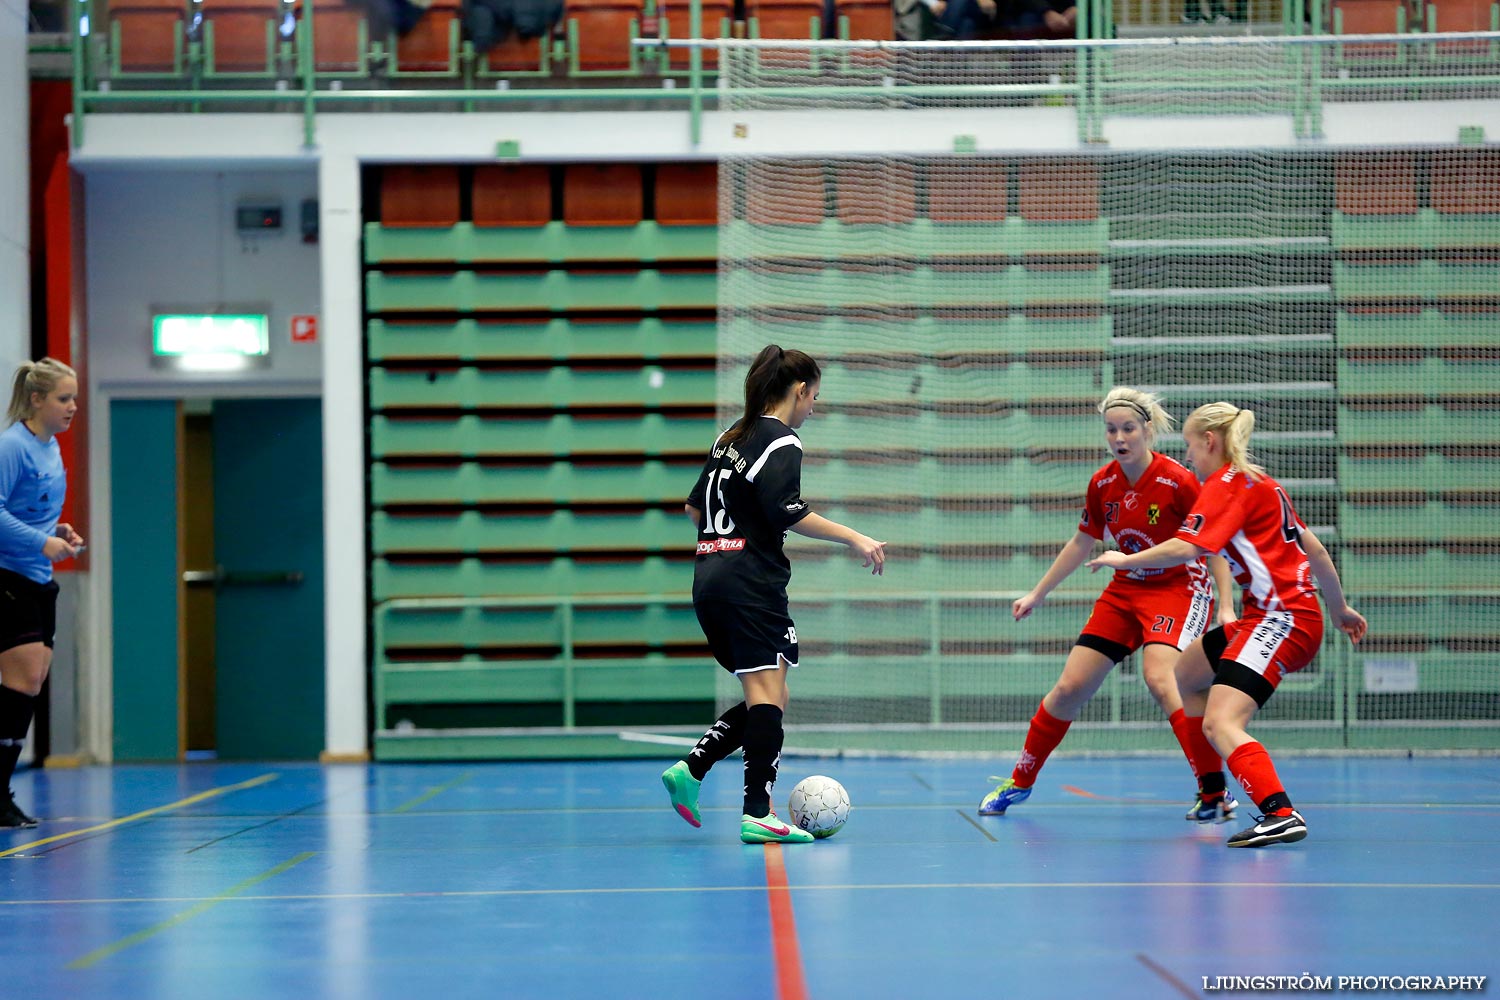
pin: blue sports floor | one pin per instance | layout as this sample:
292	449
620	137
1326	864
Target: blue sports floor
560	880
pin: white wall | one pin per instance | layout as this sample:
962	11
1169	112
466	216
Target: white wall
15	236
166	239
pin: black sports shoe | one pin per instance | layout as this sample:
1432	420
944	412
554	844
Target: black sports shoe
1271	830
11	816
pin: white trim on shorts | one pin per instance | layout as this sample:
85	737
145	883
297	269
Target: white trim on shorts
1266	639
769	666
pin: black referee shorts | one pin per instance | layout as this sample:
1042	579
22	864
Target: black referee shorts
746	640
28	611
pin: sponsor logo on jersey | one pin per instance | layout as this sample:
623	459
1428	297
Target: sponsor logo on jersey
1132	499
1167	482
796	506
720	545
1100	484
1153	513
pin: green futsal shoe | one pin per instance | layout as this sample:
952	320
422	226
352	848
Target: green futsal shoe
770	830
683	788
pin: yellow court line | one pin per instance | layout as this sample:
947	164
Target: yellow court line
190	800
100	954
433	793
679	889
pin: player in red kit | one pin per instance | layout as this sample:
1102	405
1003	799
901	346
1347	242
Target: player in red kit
1136	501
1228	675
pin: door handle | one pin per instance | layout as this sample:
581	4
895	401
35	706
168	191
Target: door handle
220	577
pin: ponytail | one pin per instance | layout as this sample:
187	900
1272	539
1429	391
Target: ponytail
34	377
772	375
1147	405
1234	426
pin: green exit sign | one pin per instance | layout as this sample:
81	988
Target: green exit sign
210	340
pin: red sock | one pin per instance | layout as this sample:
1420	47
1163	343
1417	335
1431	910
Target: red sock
1042	737
1201	755
1252	768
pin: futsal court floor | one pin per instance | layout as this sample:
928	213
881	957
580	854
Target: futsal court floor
561	880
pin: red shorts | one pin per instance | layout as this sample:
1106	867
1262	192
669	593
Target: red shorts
1174	616
1274	643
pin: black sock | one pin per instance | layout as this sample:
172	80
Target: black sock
1211	785
1275	802
763	735
16	710
722	739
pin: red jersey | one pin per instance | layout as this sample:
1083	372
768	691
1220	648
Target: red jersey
1252	522
1138	516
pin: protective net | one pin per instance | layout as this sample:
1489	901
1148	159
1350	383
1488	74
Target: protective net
1190	219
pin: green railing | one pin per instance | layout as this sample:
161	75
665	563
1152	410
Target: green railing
1100	77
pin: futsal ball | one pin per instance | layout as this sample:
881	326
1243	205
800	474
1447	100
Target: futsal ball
820	806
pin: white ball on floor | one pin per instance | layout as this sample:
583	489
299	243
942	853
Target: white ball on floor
819	805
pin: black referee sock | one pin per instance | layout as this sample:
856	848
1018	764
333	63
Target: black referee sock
763	736
16	710
722	739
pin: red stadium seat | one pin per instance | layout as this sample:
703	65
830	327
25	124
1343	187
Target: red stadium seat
602	194
969	191
147	35
718	22
602	31
1466	182
419	196
867	19
1059	191
243	33
430	46
1368	17
340	37
1375	183
784	194
687	194
512	195
784	18
875	193
516	55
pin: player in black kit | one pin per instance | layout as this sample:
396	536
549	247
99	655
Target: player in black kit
747	498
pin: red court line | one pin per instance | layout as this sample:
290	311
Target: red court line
790	984
1074	790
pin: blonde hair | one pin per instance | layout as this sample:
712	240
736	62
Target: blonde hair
1157	420
35	377
1233	425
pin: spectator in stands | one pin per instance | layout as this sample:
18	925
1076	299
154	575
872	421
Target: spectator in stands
1229	674
748	496
917	20
968	19
490	22
1058	18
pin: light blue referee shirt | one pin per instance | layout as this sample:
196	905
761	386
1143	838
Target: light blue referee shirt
32	486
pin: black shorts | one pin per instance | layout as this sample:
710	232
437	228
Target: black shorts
746	640
28	610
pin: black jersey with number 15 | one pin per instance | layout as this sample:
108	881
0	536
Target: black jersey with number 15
750	493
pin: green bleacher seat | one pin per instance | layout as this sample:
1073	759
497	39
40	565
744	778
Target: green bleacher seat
562	531
1427	280
648	481
1433	425
1381	569
557	387
642	678
1426	230
834	430
1429	330
1015	477
1018	381
558	339
817	570
559	576
1413	472
554	242
1460	521
1400	376
1436	619
931	287
550	291
560	435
